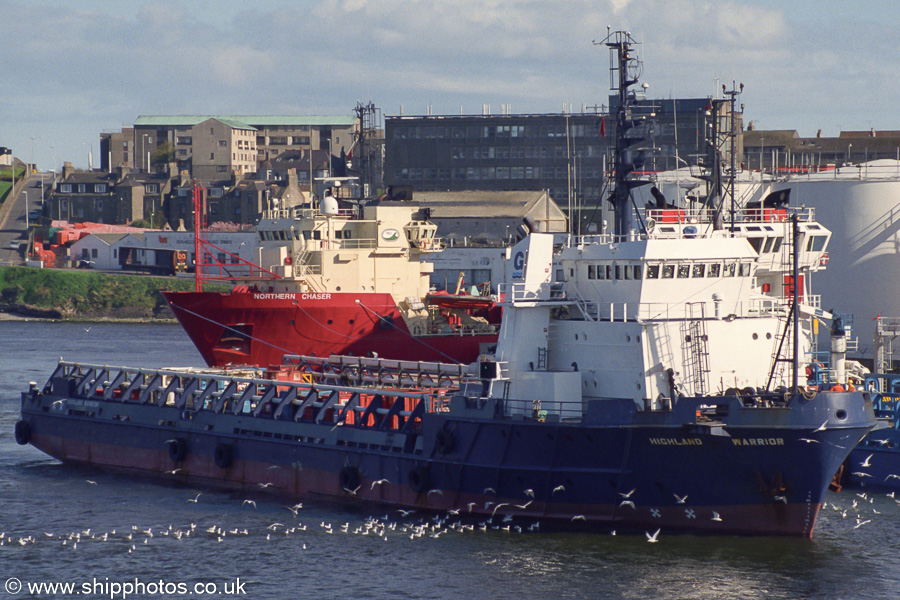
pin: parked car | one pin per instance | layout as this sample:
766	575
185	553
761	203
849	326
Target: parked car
34	214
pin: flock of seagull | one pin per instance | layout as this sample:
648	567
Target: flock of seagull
406	523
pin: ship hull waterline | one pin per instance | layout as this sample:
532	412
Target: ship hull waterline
757	480
250	328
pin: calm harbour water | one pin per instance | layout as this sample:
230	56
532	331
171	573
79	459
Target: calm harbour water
41	496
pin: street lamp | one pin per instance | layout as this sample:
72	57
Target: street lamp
26	211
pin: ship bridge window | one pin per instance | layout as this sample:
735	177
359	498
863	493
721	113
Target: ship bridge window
627	269
776	246
683	270
592	272
744	270
756	242
668	271
652	271
636	269
768	245
730	269
609	272
816	243
618	271
601	271
697	270
714	270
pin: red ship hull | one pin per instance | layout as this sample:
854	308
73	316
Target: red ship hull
258	328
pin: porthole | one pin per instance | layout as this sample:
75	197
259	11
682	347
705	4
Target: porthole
330	321
627	338
768	335
755	336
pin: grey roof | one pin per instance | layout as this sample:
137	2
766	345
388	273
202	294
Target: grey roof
245	120
478	204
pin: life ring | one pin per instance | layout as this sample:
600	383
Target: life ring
444	441
23	432
418	479
349	479
177	449
823	260
224	456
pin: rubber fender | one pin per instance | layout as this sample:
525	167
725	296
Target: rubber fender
177	449
224	456
350	478
23	432
418	479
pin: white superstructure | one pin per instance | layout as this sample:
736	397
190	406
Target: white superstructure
684	309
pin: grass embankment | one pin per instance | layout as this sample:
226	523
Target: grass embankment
86	295
6	174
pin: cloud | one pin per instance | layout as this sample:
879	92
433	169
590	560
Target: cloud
106	63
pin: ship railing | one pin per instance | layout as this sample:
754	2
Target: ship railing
192	391
544	410
369	371
663	311
305	213
518	292
442	330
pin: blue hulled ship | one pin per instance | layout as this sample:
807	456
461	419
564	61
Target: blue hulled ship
643	379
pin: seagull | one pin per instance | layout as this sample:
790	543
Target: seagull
336	425
780	499
628	503
529	492
496	508
579	518
352	491
378	482
265	485
861	523
860	474
471	505
628	495
559	488
652	538
680	499
91	482
88	329
195	498
809	441
430	492
173	471
822	427
250	502
892	475
716	516
490	490
524	506
866	463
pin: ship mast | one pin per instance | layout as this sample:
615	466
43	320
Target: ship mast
625	70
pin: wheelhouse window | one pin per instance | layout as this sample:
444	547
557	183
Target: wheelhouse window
683	271
730	269
714	270
652	271
698	269
668	271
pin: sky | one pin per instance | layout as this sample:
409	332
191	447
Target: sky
71	69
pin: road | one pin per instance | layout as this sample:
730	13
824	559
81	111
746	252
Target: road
14	214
